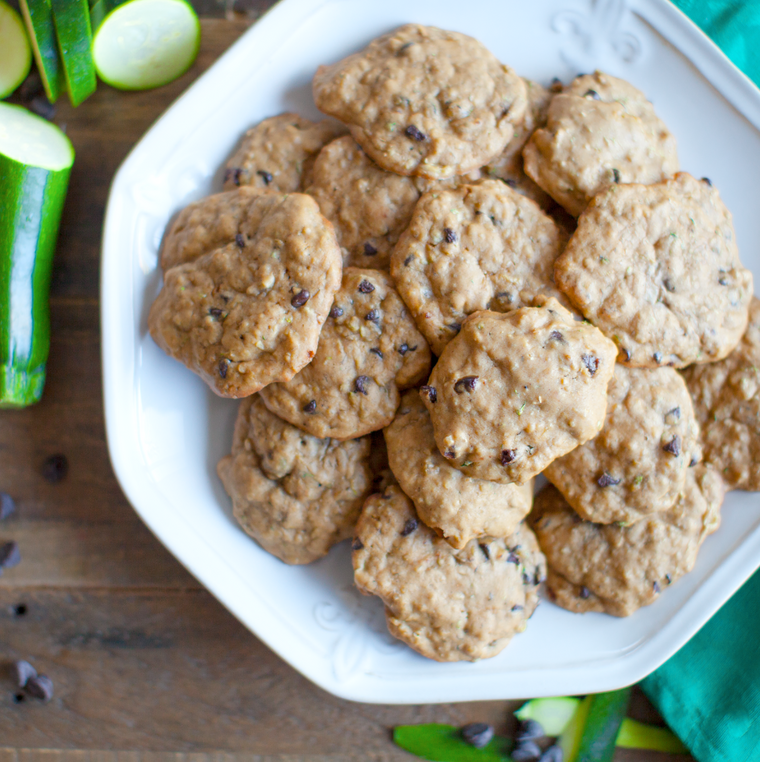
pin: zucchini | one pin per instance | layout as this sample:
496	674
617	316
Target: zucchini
38	16
552	714
16	57
72	28
591	734
35	162
636	735
146	43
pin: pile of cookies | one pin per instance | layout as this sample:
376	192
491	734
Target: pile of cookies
413	265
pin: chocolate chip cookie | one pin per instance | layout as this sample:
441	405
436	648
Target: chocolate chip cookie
514	391
250	313
606	567
424	101
727	401
458	506
369	350
657	269
600	130
278	153
296	495
447	604
470	248
638	462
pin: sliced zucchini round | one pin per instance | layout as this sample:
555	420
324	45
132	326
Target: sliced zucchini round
146	43
16	56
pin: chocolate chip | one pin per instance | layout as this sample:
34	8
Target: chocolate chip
222	367
234	175
373	316
675	414
7	505
10	555
529	730
657	357
556	85
412	132
723	281
628	355
456	327
19	609
591	362
40	687
669	285
300	298
508	456
22	672
378	352
509	181
517	607
215	312
408	261
477	734
449	235
240	241
674	446
265	176
616	175
605	480
486	552
585	592
310	407
557	336
366	287
55	468
451	453
18	698
403	349
357	544
656	586
668	578
404	47
693	462
466	384
707	180
409	527
513	558
336	312
360	384
429	392
369	250
526	752
552	754
592	94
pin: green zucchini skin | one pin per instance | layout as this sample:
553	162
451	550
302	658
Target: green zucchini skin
38	17
603	721
31	203
72	28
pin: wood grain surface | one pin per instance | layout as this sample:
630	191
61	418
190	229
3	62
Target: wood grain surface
147	666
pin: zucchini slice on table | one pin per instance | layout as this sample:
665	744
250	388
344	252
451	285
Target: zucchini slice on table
38	16
35	162
72	28
146	43
15	52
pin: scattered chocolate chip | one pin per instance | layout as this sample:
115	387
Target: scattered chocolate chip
265	176
55	468
300	298
360	384
449	235
412	132
526	752
707	180
222	367
477	734
556	336
373	316
18	698
674	446
529	730
605	480
40	687
234	175
592	94
408	261
456	327
723	281
585	592
336	312
42	107
429	392
466	384
239	240
378	352
7	505
369	250
357	544
657	357
552	754
669	285
366	287
616	175
486	552
310	407
508	456
513	558
19	609
10	555
215	312
591	362
409	527
22	672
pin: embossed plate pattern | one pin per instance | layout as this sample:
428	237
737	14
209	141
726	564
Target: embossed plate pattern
166	431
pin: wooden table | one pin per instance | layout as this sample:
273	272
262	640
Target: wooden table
146	664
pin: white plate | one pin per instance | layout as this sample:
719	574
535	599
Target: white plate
166	430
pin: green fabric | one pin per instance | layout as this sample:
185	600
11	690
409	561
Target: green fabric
709	692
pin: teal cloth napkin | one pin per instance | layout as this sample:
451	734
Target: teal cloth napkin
709	692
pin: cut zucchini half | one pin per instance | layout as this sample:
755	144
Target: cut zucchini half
16	57
72	28
146	43
38	16
35	163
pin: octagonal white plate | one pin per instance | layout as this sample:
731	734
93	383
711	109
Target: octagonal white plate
166	431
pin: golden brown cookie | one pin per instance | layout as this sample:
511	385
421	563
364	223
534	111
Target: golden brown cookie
424	101
296	495
368	351
447	604
250	313
656	268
